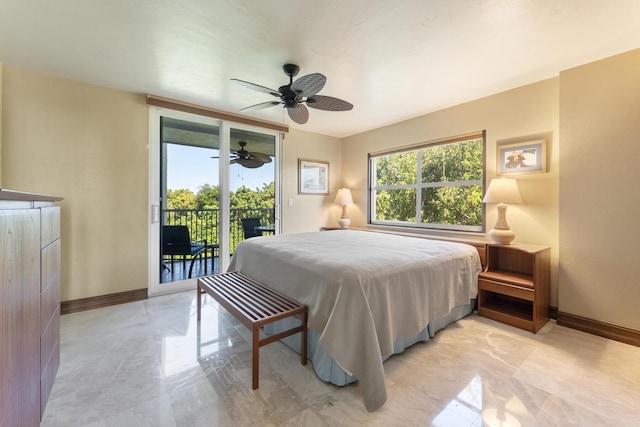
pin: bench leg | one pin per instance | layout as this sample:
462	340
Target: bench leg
255	352
199	300
303	353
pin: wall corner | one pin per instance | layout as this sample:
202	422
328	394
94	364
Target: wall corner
1	102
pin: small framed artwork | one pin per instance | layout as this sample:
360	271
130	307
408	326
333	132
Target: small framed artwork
523	157
313	177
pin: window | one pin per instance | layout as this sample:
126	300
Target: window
435	185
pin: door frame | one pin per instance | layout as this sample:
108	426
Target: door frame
155	207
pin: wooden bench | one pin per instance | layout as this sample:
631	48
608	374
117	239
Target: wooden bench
254	305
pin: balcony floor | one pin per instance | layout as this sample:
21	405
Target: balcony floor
180	271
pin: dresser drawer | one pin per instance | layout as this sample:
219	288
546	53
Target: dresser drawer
49	339
49	225
48	376
527	294
49	302
50	263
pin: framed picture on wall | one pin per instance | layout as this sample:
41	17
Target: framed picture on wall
523	157
313	177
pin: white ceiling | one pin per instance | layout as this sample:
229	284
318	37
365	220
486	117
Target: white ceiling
392	59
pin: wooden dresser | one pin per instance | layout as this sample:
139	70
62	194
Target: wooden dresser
30	254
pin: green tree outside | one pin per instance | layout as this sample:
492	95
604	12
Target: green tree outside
199	211
181	199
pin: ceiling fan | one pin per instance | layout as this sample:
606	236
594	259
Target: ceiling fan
296	94
248	159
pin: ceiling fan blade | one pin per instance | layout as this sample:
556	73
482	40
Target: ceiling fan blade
260	106
260	157
249	163
309	85
328	103
299	114
257	87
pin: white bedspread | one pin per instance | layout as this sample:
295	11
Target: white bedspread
363	289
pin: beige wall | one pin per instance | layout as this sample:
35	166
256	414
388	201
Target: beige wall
523	114
1	67
309	212
599	202
87	144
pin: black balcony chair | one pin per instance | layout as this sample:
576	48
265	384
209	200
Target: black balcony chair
177	242
249	227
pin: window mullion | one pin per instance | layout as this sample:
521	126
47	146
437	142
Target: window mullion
373	173
418	187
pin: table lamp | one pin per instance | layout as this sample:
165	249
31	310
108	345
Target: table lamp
502	191
344	198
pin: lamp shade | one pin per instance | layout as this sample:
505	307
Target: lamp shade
503	190
343	197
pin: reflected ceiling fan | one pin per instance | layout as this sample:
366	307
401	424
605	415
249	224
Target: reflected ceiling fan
296	94
248	159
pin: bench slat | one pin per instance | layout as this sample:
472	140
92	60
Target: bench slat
254	301
262	301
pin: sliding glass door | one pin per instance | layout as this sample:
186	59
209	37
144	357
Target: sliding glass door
189	199
208	180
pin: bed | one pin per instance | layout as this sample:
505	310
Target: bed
370	295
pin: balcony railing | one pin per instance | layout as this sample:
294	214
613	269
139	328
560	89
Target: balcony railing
203	223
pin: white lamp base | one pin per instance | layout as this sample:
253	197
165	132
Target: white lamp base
344	222
502	237
501	232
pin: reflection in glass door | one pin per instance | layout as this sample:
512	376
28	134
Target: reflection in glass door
189	197
252	185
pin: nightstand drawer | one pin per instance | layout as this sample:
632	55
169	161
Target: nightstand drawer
527	294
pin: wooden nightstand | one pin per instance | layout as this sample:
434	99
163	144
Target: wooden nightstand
514	288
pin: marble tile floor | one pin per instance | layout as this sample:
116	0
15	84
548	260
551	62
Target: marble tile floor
149	363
